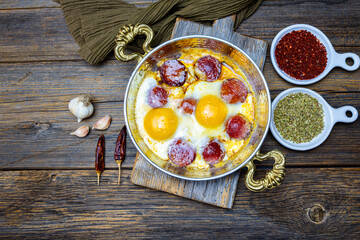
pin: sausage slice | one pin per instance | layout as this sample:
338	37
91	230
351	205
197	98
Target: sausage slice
208	68
233	91
181	153
173	73
213	153
157	97
237	127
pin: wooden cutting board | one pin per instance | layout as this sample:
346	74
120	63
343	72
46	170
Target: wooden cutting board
220	192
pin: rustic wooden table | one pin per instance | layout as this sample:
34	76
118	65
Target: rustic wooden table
47	180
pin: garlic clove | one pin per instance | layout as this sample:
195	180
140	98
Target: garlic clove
81	132
102	123
81	107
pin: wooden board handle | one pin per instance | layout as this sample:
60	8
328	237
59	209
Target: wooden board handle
224	24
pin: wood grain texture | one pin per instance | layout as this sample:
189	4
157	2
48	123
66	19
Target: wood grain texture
69	204
31	26
219	192
338	19
16	4
40	71
22	30
34	112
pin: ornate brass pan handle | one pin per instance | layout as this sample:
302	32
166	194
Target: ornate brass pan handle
272	178
126	35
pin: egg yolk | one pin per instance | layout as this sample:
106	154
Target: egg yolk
160	123
210	111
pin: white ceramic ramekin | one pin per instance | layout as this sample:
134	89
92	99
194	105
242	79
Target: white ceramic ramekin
334	59
331	116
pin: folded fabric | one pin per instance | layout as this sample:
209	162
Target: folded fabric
95	23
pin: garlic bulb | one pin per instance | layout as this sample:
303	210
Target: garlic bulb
81	107
81	131
103	123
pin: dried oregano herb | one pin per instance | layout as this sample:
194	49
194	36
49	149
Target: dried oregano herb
299	117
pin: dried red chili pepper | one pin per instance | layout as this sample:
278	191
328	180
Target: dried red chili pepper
100	157
301	55
119	154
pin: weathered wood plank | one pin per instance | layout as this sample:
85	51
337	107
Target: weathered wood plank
34	104
35	35
33	111
58	81
337	19
21	31
49	146
14	4
28	4
337	81
220	192
69	204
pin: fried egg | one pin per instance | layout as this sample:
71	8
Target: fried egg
159	126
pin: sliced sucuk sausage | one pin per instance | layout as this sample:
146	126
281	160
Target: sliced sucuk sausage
181	153
233	91
208	68
213	153
188	105
173	73
157	97
237	127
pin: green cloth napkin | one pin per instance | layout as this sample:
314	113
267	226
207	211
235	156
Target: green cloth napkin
95	23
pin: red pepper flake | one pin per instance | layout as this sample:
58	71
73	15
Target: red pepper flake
301	55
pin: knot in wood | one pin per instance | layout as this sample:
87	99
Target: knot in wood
53	176
316	214
42	126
